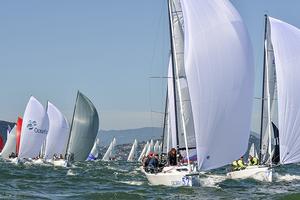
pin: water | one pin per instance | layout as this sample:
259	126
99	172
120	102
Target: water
122	180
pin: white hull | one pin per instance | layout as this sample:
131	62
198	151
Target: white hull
173	176
261	173
60	163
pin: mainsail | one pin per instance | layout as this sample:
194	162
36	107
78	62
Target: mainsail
58	134
269	110
185	136
220	80
10	145
110	153
132	153
143	151
285	39
84	128
34	129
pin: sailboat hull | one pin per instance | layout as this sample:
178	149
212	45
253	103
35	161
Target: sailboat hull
260	173
173	176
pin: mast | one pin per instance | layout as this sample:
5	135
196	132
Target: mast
173	72
263	89
72	123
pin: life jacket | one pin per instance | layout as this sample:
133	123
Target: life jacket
240	164
234	165
254	161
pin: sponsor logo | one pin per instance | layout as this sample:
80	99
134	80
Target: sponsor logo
32	125
186	181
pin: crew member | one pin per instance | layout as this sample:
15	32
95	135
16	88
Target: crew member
241	164
235	165
253	160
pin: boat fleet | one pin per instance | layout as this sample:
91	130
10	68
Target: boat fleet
208	105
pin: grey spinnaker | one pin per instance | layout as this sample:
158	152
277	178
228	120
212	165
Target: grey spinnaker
84	128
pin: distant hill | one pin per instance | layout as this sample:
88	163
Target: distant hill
127	136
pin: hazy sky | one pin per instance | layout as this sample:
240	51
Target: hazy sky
107	50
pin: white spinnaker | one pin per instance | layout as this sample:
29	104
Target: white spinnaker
286	45
10	145
143	151
57	137
110	151
132	153
220	70
34	129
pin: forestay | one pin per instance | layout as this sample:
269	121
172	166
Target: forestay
286	44
34	129
84	128
58	134
10	145
219	69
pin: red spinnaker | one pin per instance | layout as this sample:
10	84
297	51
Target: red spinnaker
18	135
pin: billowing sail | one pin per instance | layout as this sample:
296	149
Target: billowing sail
84	128
285	39
143	151
220	74
10	145
109	154
132	153
58	134
34	130
94	152
18	133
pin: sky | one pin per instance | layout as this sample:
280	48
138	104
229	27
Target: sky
109	50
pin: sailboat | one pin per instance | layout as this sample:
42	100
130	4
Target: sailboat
10	145
84	129
211	88
133	152
58	134
279	141
95	150
110	152
143	152
34	130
